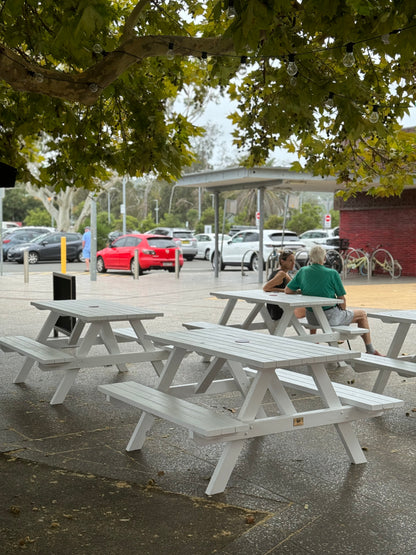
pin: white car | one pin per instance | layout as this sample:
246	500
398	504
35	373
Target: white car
318	236
206	243
244	247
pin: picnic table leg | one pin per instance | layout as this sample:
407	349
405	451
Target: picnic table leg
393	352
41	337
232	449
64	386
111	344
344	429
147	344
146	420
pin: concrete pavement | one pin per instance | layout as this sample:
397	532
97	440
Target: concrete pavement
69	486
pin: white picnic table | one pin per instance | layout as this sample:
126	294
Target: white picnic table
258	364
259	298
94	317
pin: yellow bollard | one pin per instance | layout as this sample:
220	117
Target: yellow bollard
63	255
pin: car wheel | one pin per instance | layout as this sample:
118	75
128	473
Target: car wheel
101	266
222	265
207	252
132	267
254	263
33	257
189	258
80	257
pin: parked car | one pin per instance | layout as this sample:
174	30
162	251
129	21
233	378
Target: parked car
21	235
244	247
48	247
184	236
318	236
155	252
206	243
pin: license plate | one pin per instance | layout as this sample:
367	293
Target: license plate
167	264
184	242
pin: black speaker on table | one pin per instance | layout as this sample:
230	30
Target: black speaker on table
7	176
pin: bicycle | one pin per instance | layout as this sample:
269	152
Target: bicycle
379	260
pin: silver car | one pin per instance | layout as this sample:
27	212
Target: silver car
184	237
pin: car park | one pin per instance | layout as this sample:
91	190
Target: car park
155	252
206	243
243	248
183	236
20	235
48	247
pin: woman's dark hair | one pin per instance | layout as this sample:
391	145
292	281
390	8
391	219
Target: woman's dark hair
284	255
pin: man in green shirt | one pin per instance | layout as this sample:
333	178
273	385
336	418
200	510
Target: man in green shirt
319	281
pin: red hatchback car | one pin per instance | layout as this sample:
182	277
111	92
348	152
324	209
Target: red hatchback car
156	252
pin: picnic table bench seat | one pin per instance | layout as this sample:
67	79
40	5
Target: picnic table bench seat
201	420
351	395
43	354
368	362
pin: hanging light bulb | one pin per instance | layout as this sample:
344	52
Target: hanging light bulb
242	71
292	68
329	103
349	60
97	48
293	79
204	59
93	87
170	54
38	77
385	39
231	11
374	116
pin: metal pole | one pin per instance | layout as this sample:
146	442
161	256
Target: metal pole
93	259
109	207
261	227
124	205
157	211
1	229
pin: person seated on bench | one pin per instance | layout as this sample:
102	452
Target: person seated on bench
277	281
317	280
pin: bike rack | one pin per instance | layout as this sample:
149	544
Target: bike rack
242	260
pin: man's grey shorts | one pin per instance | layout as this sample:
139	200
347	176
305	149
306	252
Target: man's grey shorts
336	317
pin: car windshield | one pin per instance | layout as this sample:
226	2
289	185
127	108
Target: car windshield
183	234
161	243
39	238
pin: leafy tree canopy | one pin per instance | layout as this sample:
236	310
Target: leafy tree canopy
93	82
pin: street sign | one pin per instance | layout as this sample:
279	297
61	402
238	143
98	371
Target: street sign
327	220
257	219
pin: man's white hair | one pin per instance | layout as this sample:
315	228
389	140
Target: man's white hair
317	255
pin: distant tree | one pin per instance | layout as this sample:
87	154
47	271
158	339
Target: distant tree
38	216
309	218
17	203
273	222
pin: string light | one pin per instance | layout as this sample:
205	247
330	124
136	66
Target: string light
170	54
292	68
374	116
93	87
97	48
293	79
242	72
349	59
231	11
329	103
385	39
38	77
204	59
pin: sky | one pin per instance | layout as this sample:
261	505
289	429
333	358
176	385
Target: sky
217	114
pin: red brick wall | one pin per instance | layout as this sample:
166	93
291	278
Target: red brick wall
391	222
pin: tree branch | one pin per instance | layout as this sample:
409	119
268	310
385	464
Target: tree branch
131	22
86	87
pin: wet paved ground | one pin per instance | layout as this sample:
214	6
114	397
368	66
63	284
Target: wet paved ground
69	486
